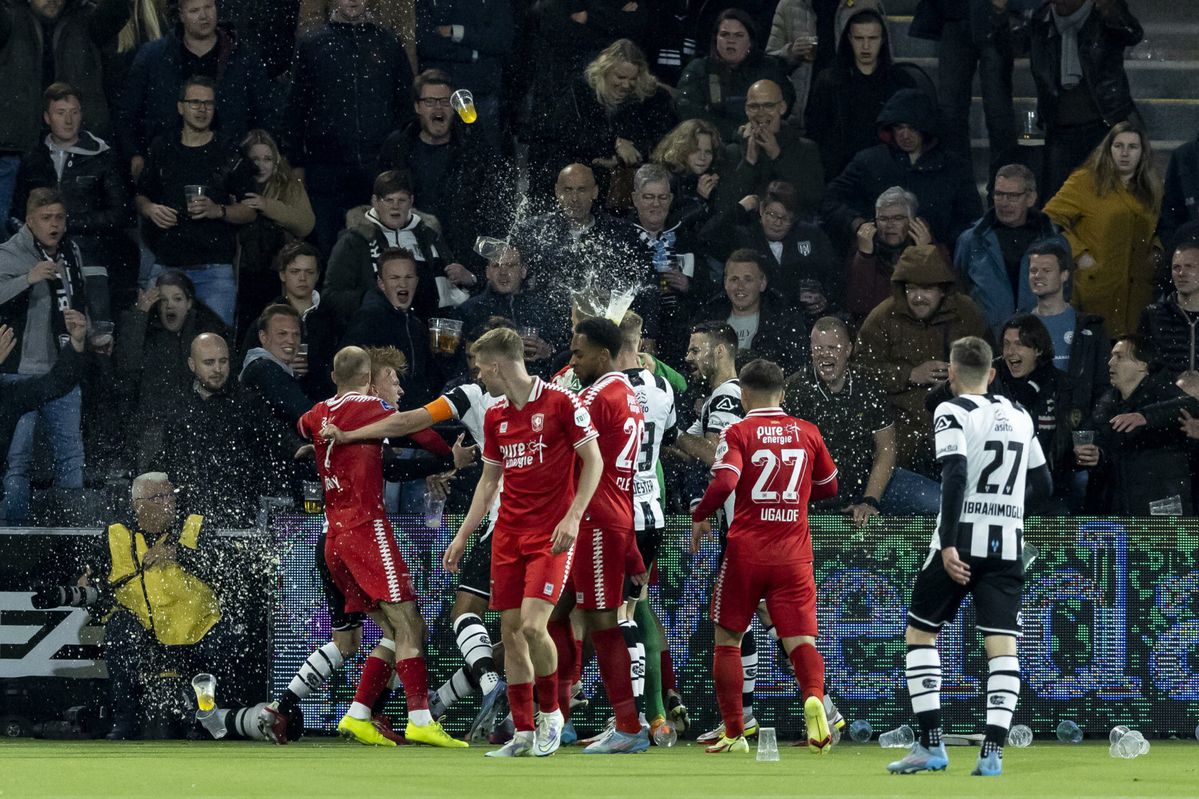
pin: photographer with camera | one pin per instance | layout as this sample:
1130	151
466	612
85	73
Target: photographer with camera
161	611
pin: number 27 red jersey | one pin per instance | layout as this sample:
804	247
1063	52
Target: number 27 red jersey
777	458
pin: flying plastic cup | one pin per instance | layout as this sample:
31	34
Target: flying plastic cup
464	103
205	687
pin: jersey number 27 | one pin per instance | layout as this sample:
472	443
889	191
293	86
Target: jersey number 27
795	458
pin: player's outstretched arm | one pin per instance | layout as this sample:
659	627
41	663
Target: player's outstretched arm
479	503
589	476
702	448
394	426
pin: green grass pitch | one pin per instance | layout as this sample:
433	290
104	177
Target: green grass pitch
324	767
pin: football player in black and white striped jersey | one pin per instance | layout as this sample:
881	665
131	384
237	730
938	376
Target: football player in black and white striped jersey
990	460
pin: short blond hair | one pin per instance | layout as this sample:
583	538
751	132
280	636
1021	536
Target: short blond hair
502	342
384	358
350	366
972	356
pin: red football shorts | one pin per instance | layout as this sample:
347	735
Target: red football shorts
367	567
523	565
602	559
789	588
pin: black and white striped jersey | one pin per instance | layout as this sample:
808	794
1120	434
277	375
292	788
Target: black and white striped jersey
657	405
998	439
719	410
470	402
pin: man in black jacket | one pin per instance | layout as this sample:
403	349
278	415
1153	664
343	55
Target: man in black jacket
387	319
505	295
577	247
1139	456
210	447
1172	323
912	157
765	327
275	396
455	174
199	46
1077	61
86	173
1180	198
351	87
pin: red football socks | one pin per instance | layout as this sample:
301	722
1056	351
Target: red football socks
415	676
547	692
564	642
668	681
614	665
809	670
726	674
520	700
376	673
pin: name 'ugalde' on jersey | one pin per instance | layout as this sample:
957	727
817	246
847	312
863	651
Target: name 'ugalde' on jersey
777	459
352	474
535	446
617	417
998	439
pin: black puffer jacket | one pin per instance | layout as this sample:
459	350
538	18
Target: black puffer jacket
93	187
379	324
1174	331
941	180
351	88
1089	353
1101	44
1149	463
1180	200
81	29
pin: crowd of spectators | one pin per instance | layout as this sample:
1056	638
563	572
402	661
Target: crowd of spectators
229	195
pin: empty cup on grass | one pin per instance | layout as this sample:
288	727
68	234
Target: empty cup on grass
899	738
1020	736
1069	733
861	731
768	745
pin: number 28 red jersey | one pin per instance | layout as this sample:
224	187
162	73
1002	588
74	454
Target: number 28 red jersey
777	458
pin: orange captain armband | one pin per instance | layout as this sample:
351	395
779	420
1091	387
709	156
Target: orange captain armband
440	409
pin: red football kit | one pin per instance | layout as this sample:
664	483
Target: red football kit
774	464
606	549
360	551
535	445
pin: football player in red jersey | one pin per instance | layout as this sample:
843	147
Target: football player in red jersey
361	554
607	547
534	438
773	464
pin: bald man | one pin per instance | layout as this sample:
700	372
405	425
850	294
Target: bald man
767	150
578	243
210	448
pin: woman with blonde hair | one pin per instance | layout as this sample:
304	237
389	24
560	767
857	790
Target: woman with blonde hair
691	152
284	214
1108	212
610	120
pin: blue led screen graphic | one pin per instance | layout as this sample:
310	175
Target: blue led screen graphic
1111	623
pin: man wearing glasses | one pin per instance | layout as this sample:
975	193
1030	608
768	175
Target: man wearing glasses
164	611
187	196
768	151
992	254
454	169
